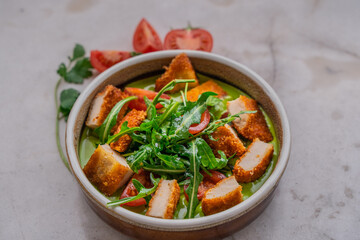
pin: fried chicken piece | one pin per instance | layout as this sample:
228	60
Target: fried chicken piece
163	203
227	141
107	170
254	162
134	119
179	68
224	195
102	104
209	86
251	125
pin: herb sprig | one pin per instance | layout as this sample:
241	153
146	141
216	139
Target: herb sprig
77	69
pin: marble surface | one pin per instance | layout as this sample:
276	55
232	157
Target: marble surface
308	51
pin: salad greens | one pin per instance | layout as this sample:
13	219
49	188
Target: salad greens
77	69
163	145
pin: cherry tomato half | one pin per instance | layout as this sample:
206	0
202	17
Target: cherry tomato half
207	183
144	178
205	119
189	38
145	38
139	104
102	60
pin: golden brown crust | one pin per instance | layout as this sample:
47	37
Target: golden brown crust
249	176
172	202
256	126
134	119
112	95
226	142
219	204
179	68
105	172
209	86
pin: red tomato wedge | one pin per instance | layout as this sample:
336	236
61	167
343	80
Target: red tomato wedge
205	119
139	104
145	38
102	60
189	38
144	178
207	183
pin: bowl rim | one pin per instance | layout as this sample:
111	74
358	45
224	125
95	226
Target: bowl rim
178	224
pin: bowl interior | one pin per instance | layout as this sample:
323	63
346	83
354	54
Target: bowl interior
209	64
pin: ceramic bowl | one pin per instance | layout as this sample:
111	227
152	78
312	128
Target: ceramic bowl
215	226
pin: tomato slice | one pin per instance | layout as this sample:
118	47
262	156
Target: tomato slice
102	60
139	104
207	183
145	38
205	119
144	178
189	38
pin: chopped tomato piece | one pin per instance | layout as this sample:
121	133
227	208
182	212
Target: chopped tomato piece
207	183
189	38
139	104
198	127
144	178
102	60
145	38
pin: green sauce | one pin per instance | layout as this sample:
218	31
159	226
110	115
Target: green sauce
88	143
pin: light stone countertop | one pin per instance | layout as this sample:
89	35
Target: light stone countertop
308	51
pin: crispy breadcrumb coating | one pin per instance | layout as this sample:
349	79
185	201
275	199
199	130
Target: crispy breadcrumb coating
209	86
105	171
134	119
109	97
179	68
225	198
255	126
163	203
252	165
227	141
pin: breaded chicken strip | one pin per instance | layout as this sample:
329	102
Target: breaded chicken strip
254	162
209	86
227	141
107	170
134	119
252	125
102	104
225	194
165	200
179	68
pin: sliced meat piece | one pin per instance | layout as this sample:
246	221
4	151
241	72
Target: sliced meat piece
107	170
209	86
225	194
254	162
227	141
134	119
180	68
102	104
165	199
252	125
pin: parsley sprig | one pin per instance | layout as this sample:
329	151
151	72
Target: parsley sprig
77	69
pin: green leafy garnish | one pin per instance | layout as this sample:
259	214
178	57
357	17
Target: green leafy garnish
142	192
77	69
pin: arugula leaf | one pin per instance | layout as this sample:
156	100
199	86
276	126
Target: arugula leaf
171	161
195	179
217	106
79	71
205	154
169	87
104	130
78	52
67	100
162	169
136	161
143	192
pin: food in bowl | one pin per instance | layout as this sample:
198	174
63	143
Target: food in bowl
195	147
